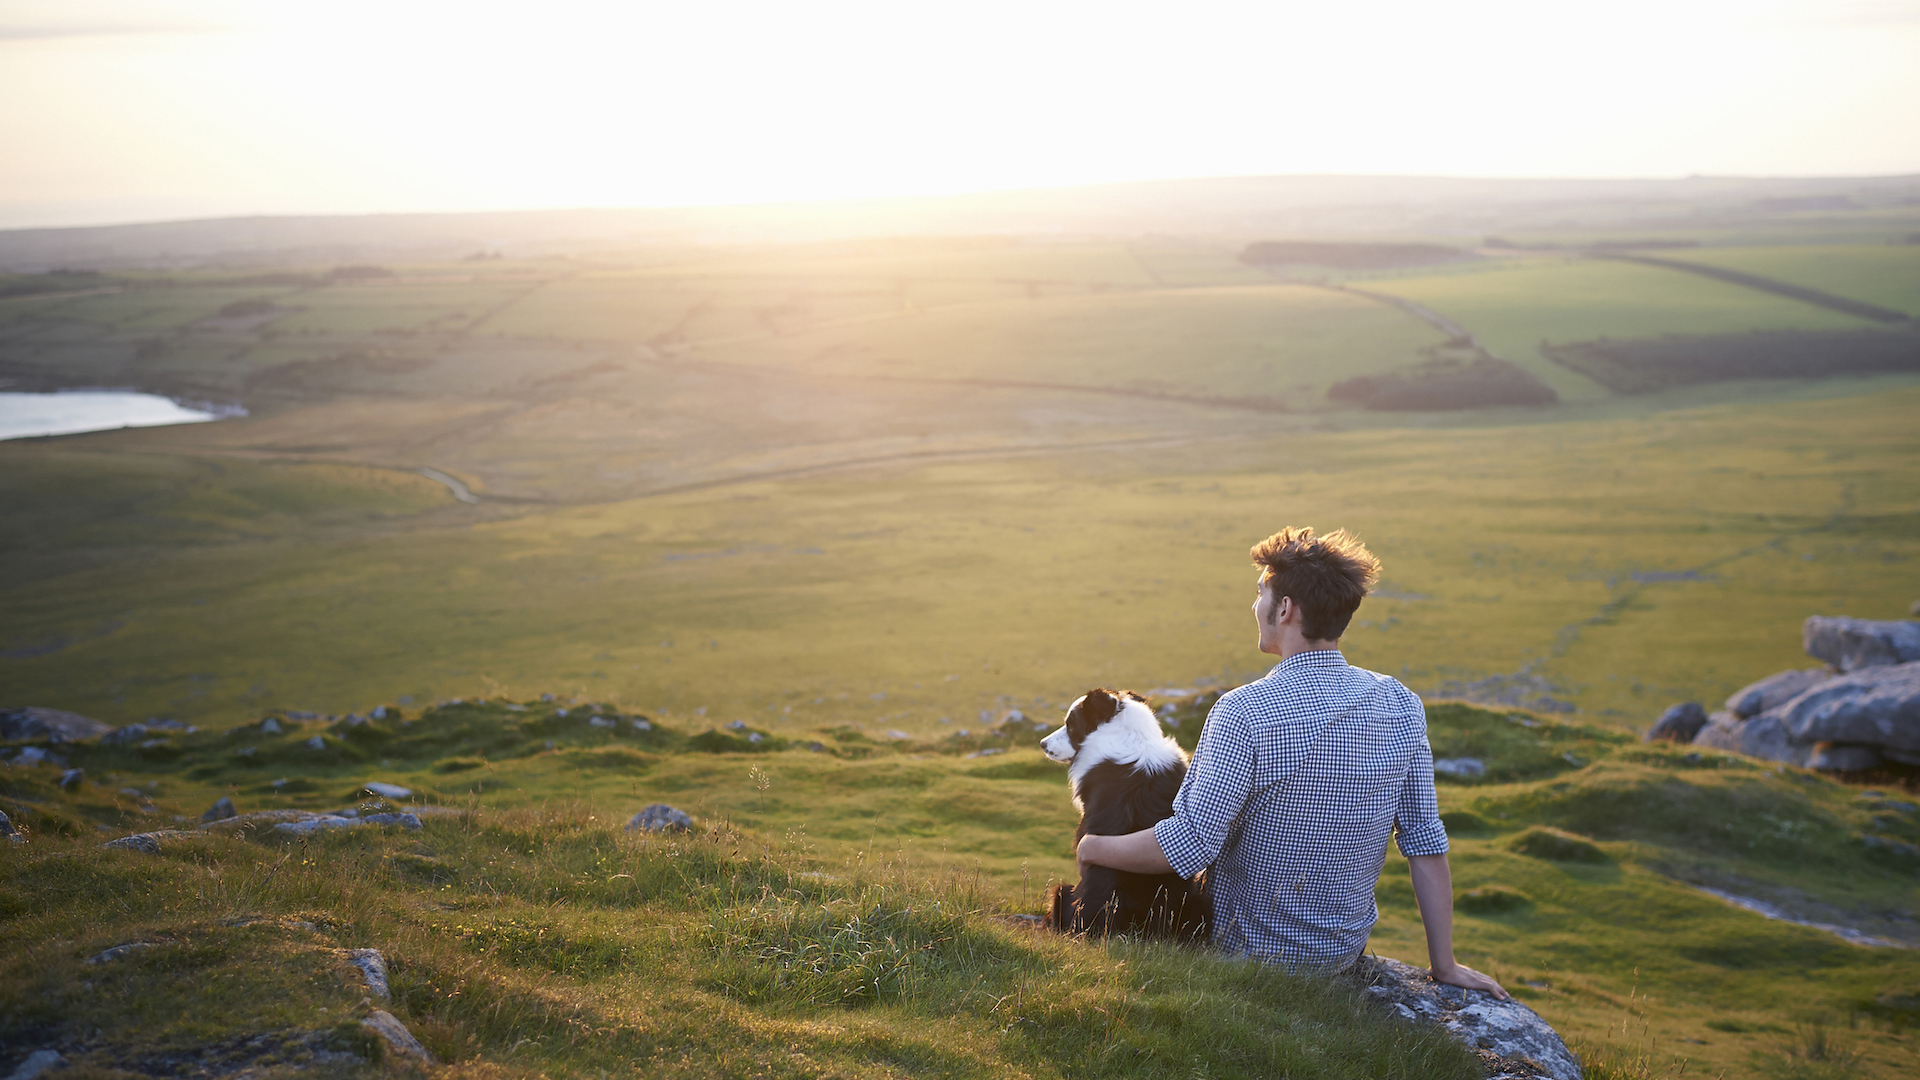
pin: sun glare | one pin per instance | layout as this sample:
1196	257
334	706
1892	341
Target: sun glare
143	109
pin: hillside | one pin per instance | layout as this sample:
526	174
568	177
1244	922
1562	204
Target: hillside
837	910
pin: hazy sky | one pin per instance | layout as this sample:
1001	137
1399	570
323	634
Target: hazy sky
123	110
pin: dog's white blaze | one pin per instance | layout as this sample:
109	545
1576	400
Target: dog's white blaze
1131	736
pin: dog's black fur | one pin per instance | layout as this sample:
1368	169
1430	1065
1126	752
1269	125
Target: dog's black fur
1117	799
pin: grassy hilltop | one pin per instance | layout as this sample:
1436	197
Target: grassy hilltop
866	493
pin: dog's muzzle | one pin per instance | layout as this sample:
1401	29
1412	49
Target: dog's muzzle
1058	745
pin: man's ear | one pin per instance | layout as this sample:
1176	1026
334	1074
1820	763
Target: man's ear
1283	609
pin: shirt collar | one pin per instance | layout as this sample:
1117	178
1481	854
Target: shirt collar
1312	658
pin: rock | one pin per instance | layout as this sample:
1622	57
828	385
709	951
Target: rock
1875	706
72	779
379	712
1843	757
1680	723
1765	736
988	752
737	725
1465	767
35	755
659	817
316	743
38	1062
221	810
1014	718
323	824
257	820
387	791
894	733
270	726
374	967
600	721
7	830
148	842
1527	1045
106	956
130	733
755	736
1852	644
641	723
32	722
383	1024
1775	691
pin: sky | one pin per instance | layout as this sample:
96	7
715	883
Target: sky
135	110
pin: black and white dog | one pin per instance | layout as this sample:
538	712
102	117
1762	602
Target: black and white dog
1123	772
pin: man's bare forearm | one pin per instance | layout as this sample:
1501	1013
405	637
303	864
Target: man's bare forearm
1433	891
1137	853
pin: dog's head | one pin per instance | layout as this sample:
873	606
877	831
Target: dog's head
1084	717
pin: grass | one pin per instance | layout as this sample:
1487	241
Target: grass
1884	274
843	901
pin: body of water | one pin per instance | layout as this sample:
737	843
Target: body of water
68	412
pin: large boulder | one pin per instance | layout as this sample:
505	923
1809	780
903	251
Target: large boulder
1680	723
31	722
1775	691
1852	644
1764	736
1874	706
1525	1045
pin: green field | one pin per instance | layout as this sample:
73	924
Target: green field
872	492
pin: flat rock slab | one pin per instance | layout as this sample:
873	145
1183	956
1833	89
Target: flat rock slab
323	824
1525	1045
33	722
1875	706
1775	691
1852	644
149	842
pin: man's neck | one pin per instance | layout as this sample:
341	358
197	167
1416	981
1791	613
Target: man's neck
1293	645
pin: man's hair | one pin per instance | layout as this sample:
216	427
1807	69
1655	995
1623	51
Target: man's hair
1327	576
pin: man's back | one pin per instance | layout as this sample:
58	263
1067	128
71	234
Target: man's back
1299	781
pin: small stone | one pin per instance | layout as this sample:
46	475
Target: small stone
988	752
817	747
1465	768
379	712
641	723
148	842
383	1024
7	830
659	817
374	967
1013	718
34	755
737	725
1679	724
755	737
897	734
387	791
546	697
600	721
562	713
409	822
316	743
221	810
270	726
109	955
72	779
38	1062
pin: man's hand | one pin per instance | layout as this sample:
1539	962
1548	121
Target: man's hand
1138	852
1464	976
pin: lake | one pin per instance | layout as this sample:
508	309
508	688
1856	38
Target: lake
67	412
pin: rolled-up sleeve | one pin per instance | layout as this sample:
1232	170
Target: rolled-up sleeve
1416	821
1213	794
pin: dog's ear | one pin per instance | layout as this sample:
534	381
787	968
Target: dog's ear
1101	704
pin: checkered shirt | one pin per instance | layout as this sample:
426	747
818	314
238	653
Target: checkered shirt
1297	783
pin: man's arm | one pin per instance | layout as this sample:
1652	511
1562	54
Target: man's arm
1433	890
1137	853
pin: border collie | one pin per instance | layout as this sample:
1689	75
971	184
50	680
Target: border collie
1123	773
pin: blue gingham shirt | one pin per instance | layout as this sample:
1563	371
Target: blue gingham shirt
1297	783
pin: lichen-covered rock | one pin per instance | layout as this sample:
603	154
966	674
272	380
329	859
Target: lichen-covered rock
1525	1045
1852	644
374	967
383	1024
1764	736
660	817
32	722
1680	723
149	842
1875	706
322	824
1775	691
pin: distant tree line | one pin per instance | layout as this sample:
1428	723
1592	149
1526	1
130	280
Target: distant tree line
1442	385
1646	365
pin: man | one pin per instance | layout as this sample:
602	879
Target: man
1300	779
